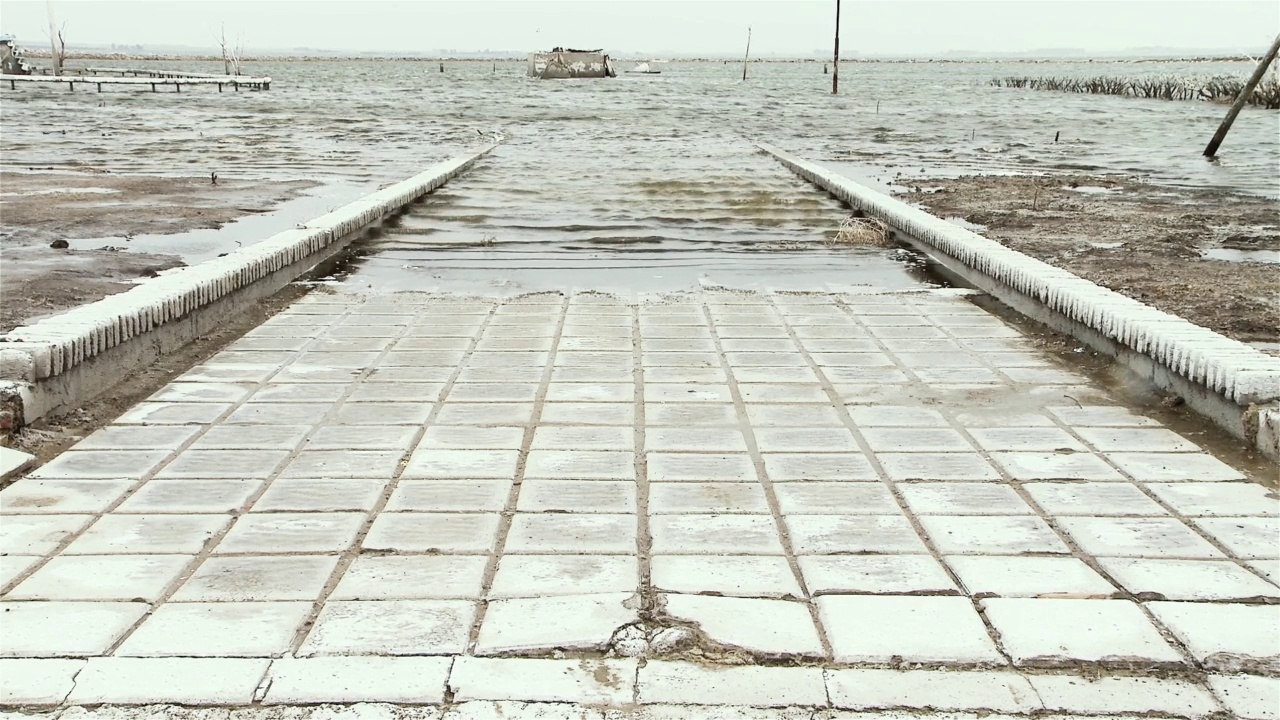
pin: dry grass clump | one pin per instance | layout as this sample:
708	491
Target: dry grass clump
869	232
1212	89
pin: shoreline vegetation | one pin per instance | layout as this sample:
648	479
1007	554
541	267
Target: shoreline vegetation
1218	89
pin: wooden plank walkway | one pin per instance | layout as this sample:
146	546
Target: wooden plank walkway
234	81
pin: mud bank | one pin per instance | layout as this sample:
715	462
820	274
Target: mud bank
99	214
1154	244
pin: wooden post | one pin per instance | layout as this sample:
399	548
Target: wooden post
835	72
746	56
1212	149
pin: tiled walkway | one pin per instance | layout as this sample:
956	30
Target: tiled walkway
714	498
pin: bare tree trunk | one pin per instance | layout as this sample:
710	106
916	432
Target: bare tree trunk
222	42
748	55
54	36
1212	149
835	75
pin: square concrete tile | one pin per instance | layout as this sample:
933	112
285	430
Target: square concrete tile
462	464
534	576
1101	416
783	393
65	629
845	534
694	439
183	496
261	533
915	440
139	437
298	681
363	437
1093	498
1115	695
484	413
258	578
593	437
1136	537
571	622
572	533
936	466
1248	696
687	498
449	495
412	577
822	498
471	437
102	577
681	684
1013	576
590	392
251	464
686	393
962	499
733	575
1054	466
806	440
884	628
159	534
250	437
373	390
1252	538
580	465
312	464
1224	636
577	496
874	574
1043	439
1173	467
818	466
1188	579
11	566
390	627
1054	632
222	629
172	413
1136	440
38	534
438	532
761	625
564	413
991	535
1215	498
493	392
320	495
112	464
699	467
55	497
690	414
711	534
279	413
896	416
793	416
931	690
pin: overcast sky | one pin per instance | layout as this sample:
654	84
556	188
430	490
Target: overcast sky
687	27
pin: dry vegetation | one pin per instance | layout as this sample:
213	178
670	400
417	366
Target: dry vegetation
1212	89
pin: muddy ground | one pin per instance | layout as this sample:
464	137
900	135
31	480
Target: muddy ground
1140	240
37	209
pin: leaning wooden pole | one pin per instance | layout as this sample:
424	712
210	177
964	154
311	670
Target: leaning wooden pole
1212	149
747	56
835	75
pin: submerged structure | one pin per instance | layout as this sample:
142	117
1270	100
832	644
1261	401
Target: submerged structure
11	61
562	63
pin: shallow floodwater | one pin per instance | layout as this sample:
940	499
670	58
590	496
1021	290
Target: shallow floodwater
654	168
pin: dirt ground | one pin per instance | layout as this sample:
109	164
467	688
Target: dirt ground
1140	240
37	209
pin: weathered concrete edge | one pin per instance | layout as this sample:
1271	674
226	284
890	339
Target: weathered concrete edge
69	358
1233	384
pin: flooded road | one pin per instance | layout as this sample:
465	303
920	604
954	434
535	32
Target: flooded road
656	173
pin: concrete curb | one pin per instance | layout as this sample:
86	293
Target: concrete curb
1231	383
65	360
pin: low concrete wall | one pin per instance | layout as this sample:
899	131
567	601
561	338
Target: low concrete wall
60	362
1234	385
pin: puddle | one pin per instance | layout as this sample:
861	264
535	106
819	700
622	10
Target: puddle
197	246
1090	189
961	222
1271	257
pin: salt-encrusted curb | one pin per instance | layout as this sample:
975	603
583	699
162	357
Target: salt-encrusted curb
1236	373
35	354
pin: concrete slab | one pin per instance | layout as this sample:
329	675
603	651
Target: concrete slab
473	484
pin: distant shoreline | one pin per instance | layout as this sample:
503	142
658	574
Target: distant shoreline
148	57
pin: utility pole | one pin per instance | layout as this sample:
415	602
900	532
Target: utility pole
1245	92
835	73
744	57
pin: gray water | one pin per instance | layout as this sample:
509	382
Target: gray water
657	169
